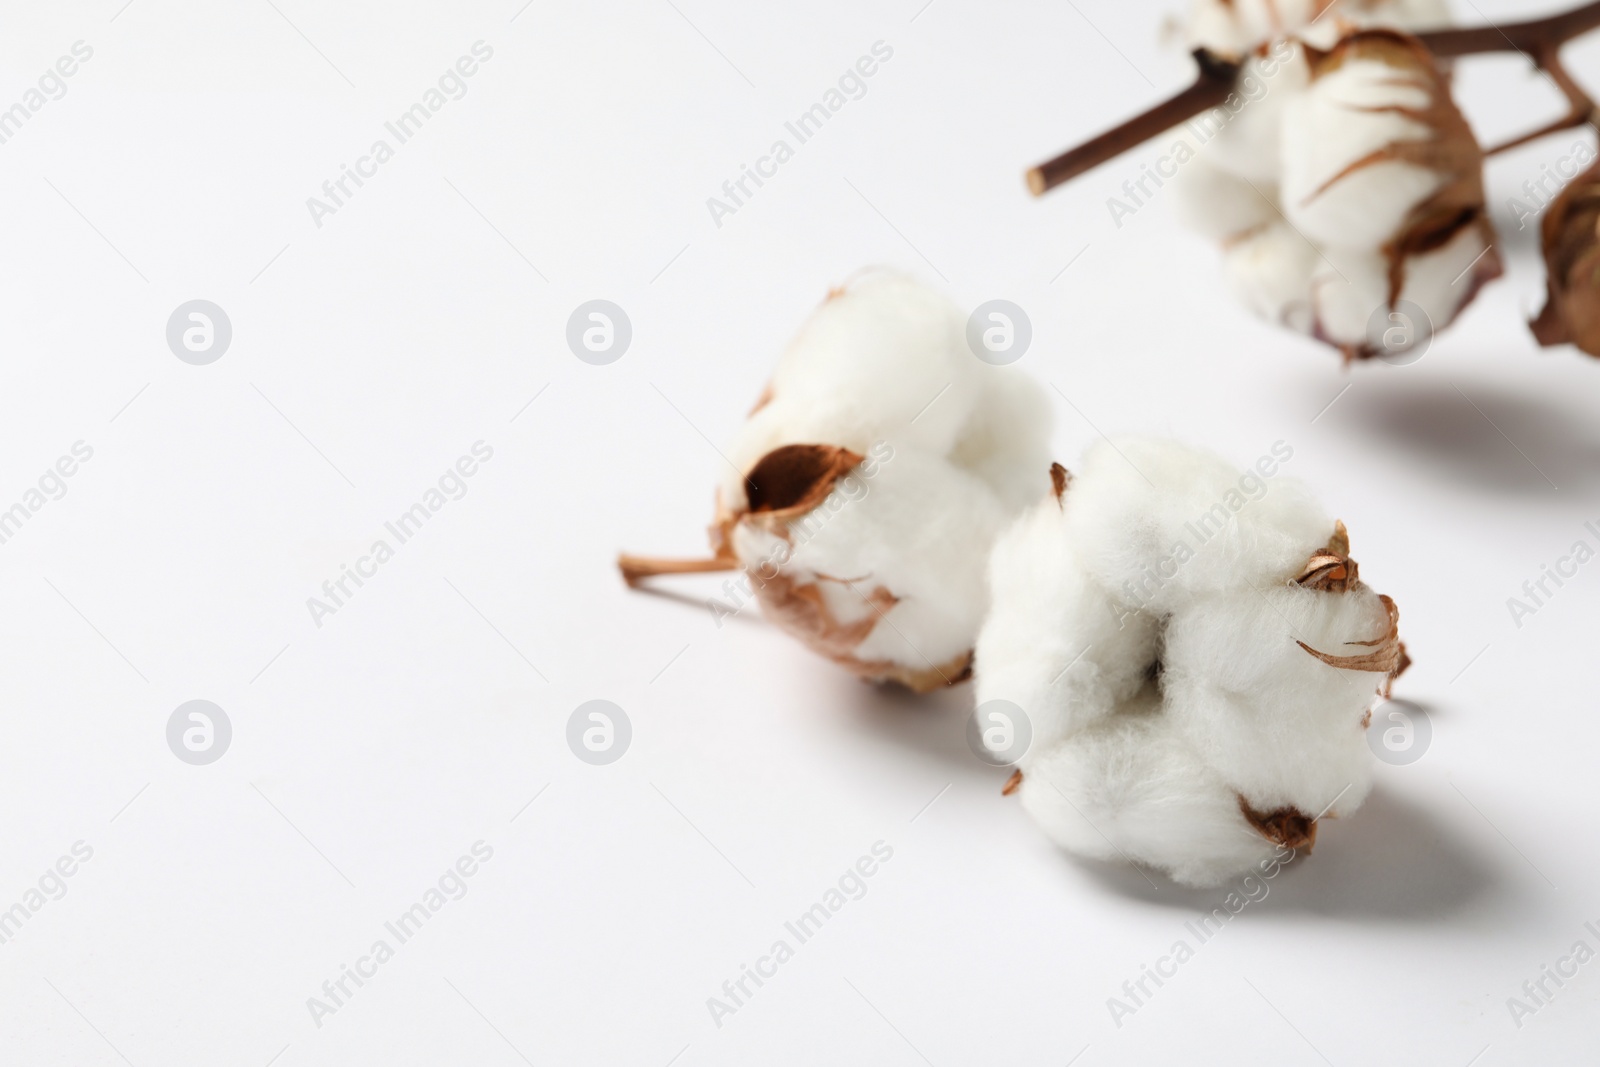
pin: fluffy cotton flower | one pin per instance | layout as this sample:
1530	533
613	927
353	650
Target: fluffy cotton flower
1234	28
866	488
1196	657
1349	197
1571	231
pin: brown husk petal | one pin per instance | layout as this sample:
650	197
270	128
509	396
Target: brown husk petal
1013	784
1288	827
1060	478
1571	234
800	608
1387	652
782	488
793	479
1331	570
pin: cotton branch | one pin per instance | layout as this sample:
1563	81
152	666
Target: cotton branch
1539	39
1581	109
1211	89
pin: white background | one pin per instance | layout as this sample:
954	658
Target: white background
368	754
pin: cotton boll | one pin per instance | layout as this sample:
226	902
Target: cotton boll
1130	787
1571	241
1158	523
1376	193
1418	202
1221	713
863	493
1055	643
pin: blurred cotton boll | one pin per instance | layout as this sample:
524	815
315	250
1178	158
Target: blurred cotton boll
1349	199
1571	231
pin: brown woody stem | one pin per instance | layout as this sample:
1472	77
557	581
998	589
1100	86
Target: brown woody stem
1581	106
636	569
1532	36
1539	39
1210	90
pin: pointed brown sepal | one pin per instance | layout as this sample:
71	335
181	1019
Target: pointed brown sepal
1288	827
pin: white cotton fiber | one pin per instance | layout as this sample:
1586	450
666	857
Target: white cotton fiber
1158	523
1270	271
1220	205
1061	648
1130	787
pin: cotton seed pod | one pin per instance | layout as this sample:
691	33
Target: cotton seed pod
1196	655
1571	232
1235	28
1383	175
864	491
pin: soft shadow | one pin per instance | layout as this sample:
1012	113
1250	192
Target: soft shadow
749	613
933	724
1506	442
1519	237
1390	861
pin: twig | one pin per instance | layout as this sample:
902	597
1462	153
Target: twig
1539	39
636	569
1581	107
1532	36
1211	89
